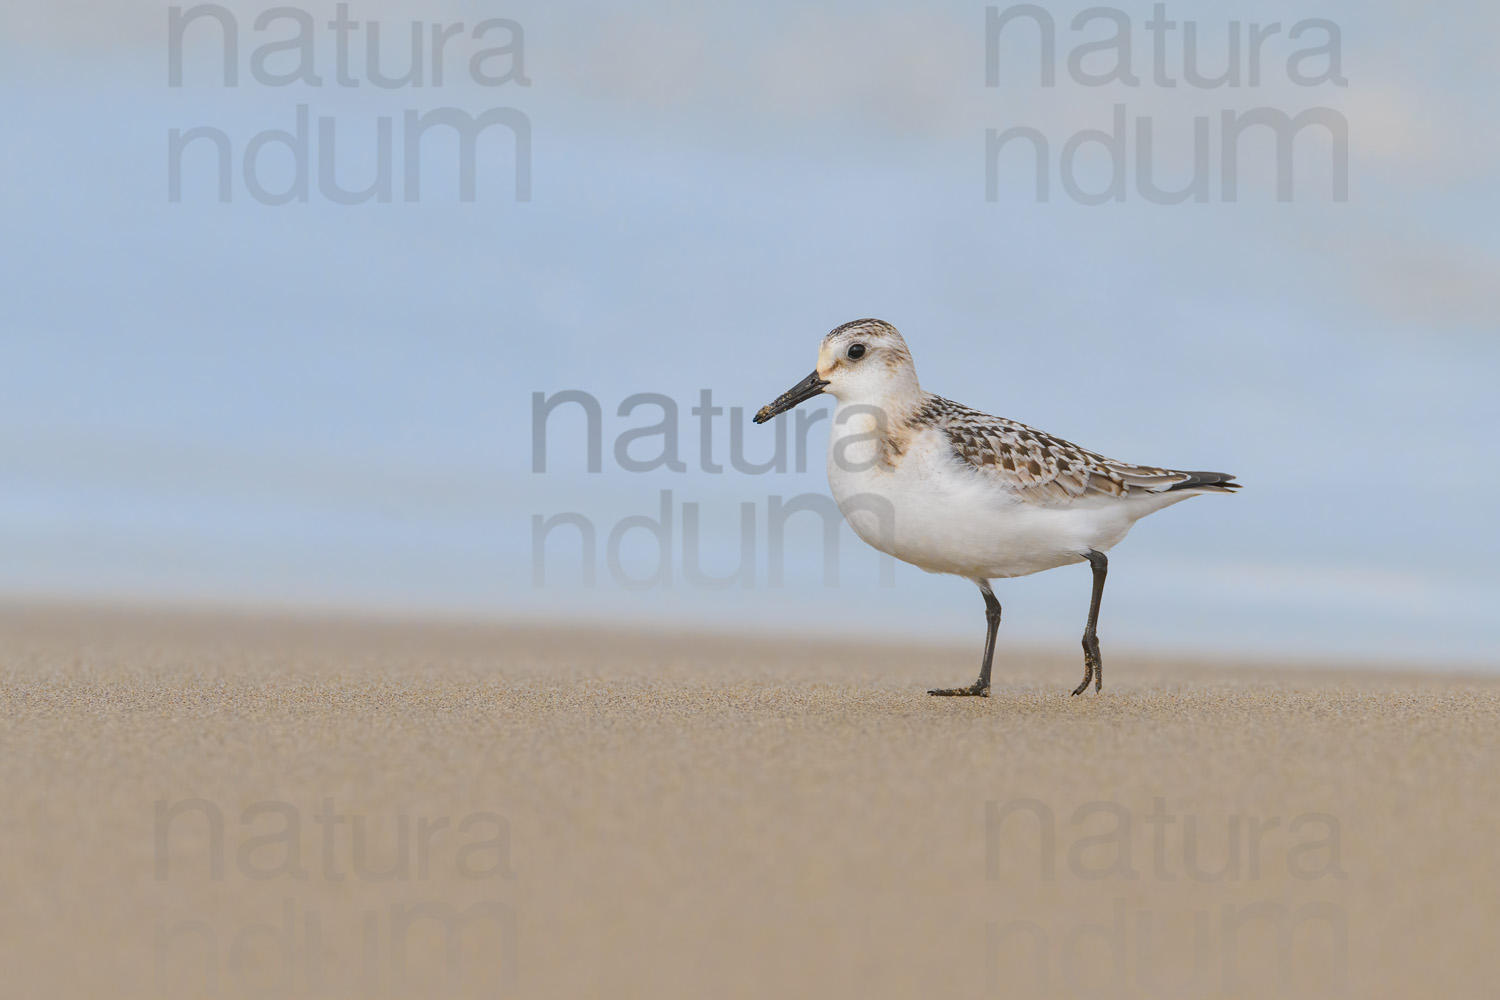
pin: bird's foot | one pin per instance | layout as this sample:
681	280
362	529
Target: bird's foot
1093	666
1088	675
975	690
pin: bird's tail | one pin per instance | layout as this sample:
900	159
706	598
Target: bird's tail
1203	482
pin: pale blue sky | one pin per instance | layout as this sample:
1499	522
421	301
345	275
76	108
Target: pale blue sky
317	405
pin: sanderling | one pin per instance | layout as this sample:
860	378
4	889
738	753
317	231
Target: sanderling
952	490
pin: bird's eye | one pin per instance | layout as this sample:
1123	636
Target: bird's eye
856	351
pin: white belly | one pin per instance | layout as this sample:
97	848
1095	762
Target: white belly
935	512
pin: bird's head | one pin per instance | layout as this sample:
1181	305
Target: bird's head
865	361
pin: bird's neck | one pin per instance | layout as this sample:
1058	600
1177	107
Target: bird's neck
891	407
872	431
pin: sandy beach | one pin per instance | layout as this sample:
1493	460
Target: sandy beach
268	807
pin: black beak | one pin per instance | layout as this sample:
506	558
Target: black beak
799	393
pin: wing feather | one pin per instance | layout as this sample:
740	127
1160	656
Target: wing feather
1047	470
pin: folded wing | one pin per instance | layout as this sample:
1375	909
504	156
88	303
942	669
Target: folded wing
1043	469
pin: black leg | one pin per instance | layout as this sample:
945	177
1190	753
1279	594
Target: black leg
981	687
1093	666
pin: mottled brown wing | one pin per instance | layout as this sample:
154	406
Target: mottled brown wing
1036	466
